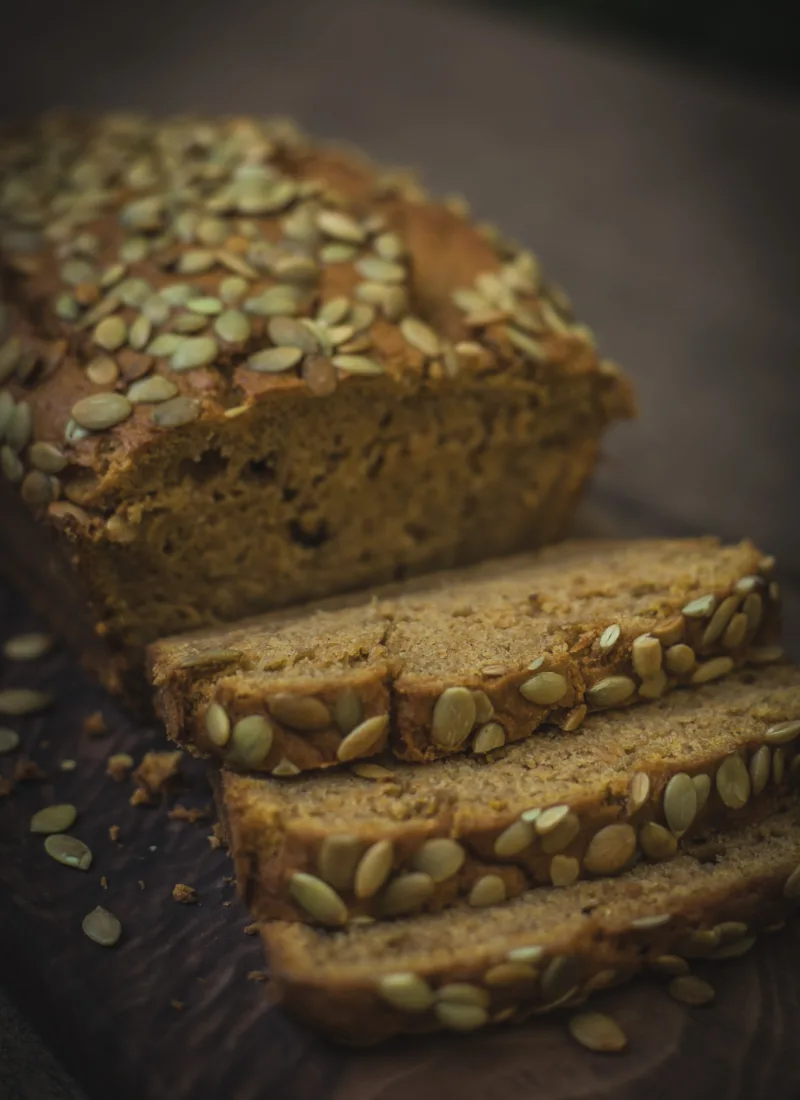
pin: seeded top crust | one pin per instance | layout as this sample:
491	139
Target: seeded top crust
687	728
457	623
169	277
460	941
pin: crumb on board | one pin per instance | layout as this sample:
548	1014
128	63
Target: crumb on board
227	904
94	724
215	837
27	771
187	895
190	814
104	882
251	929
118	765
140	797
178	1005
113	832
156	773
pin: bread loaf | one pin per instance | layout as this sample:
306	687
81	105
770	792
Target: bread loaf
463	661
470	831
552	948
238	371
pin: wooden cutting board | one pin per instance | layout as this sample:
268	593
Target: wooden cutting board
170	1012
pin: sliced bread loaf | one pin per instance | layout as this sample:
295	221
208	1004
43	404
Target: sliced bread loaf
470	659
548	810
461	970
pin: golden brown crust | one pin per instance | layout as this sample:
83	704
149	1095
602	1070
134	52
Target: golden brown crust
546	955
101	220
457	820
374	648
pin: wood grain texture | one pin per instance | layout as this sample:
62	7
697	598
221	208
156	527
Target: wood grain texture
108	1013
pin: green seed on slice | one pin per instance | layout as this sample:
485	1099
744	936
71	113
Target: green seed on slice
68	850
54	819
102	927
275	360
101	410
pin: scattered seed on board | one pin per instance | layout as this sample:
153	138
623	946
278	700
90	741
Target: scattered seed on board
27	647
18	701
9	740
691	990
597	1032
102	927
68	850
54	819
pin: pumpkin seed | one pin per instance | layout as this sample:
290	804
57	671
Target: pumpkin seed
680	803
564	870
102	927
193	352
646	656
11	465
10	355
736	631
691	990
753	609
337	860
366	738
560	837
509	974
765	654
550	819
347	711
151	390
670	632
733	782
378	270
9	740
560	978
27	647
513	840
702	786
526	344
698	943
299	712
734	950
232	326
461	1017
196	261
647	924
440	857
783	733
597	1032
488	890
610	849
278	300
527	954
102	371
288	332
778	765
406	991
657	842
700	608
610	691
483	706
337	253
679	659
791	888
719	621
639	792
712	670
420	336
54	819
251	740
358	364
218	725
68	850
760	763
654	686
285	768
340	226
176	412
463	993
544	689
406	893
231	290
99	411
373	869
609	637
453	717
23	701
318	899
111	333
488	737
275	360
670	964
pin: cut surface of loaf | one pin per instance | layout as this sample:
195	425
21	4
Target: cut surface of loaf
464	831
469	660
226	353
463	970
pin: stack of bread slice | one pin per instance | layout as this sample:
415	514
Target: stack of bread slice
485	793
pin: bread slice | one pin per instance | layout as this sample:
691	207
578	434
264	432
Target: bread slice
461	969
548	810
470	659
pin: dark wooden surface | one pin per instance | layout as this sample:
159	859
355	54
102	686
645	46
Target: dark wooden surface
667	205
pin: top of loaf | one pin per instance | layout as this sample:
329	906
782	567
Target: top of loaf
159	275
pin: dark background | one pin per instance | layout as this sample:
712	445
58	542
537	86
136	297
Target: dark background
649	153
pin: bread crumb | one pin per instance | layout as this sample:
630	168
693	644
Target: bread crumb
94	724
251	929
27	771
185	813
256	975
104	882
186	895
113	832
178	1005
118	765
227	904
216	838
155	774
